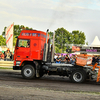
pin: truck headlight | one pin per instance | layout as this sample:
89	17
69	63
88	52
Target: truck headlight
18	63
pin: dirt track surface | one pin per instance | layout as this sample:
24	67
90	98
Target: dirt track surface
14	87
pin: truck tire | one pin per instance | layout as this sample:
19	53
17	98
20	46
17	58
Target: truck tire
78	76
28	72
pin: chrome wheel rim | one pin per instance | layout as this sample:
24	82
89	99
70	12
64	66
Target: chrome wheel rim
77	77
27	72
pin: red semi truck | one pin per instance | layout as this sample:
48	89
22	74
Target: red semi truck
34	57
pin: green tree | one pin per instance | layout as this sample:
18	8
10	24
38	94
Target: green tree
78	37
14	40
57	50
50	35
86	43
3	33
62	38
2	40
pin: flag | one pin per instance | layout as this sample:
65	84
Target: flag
9	36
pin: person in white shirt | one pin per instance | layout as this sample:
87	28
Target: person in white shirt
55	57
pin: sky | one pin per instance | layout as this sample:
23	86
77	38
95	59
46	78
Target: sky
82	15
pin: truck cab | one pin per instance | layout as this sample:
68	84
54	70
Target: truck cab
29	47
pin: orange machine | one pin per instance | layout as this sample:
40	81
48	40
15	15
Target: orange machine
98	75
84	59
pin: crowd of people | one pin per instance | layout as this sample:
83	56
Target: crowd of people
58	58
71	60
65	59
6	56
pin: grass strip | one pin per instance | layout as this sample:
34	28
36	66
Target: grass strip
5	68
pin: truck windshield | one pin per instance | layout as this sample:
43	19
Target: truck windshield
23	43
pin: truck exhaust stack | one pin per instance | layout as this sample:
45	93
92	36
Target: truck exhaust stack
45	48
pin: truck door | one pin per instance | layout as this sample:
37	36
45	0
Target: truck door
23	49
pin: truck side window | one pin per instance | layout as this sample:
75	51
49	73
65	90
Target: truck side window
24	43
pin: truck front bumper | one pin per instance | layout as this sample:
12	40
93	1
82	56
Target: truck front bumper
16	67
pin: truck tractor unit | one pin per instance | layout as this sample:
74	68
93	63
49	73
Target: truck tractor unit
34	56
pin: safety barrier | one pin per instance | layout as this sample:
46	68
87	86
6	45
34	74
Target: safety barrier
6	64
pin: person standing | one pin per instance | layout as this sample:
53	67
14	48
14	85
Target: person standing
8	55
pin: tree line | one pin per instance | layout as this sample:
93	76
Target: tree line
62	37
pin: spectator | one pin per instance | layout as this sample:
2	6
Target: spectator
63	59
5	55
72	60
11	57
2	56
67	60
8	55
55	57
99	60
58	59
95	60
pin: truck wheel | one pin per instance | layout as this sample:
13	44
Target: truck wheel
78	76
28	72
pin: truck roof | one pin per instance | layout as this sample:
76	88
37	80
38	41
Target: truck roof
32	34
